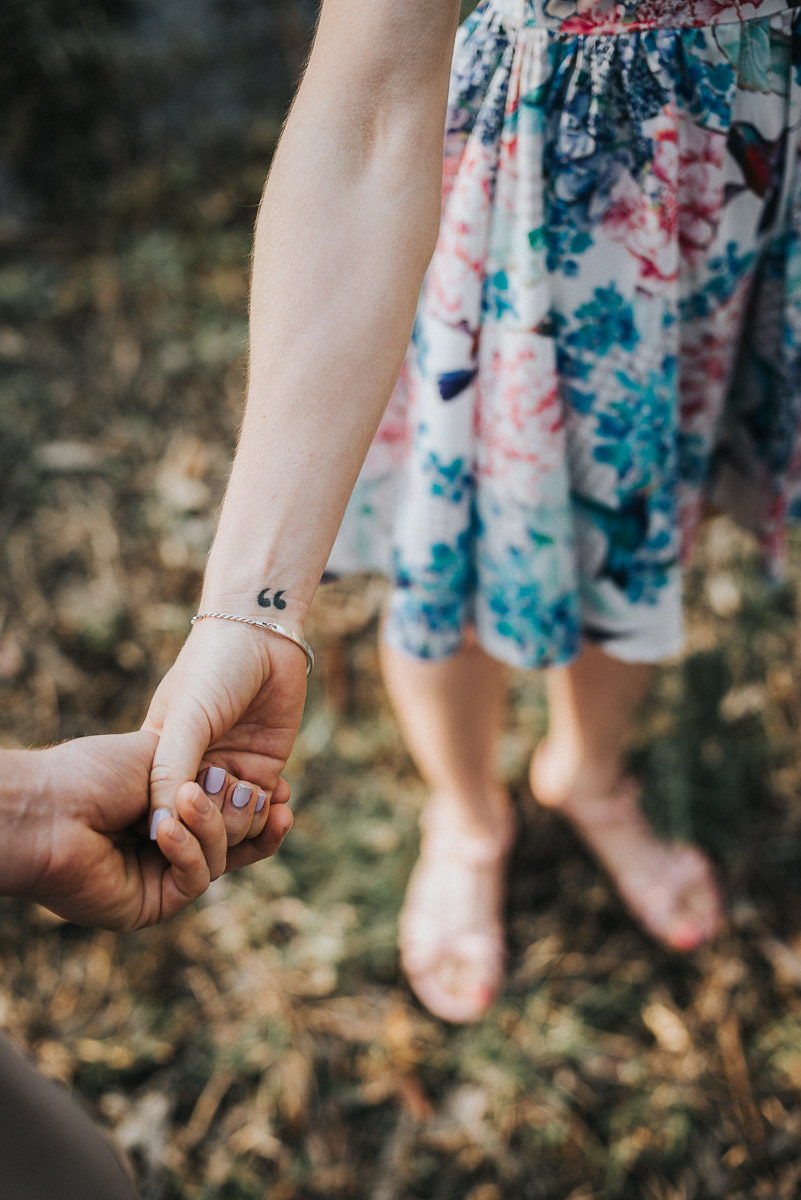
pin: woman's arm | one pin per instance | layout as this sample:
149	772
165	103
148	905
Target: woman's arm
347	225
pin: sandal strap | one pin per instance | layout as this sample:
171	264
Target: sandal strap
444	837
421	949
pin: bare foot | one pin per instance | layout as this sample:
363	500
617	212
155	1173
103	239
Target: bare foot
669	887
452	938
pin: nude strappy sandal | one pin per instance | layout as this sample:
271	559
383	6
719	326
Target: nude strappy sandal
650	898
456	974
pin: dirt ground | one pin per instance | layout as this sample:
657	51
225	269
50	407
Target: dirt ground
265	1043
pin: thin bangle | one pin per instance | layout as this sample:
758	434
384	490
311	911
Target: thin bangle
272	626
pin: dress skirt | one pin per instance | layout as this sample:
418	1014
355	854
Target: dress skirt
608	338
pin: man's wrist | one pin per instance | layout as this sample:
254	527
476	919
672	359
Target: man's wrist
25	810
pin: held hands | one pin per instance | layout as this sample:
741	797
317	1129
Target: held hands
67	818
75	817
228	713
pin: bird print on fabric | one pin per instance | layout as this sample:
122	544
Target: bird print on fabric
761	161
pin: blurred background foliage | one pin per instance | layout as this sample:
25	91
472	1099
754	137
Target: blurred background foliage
265	1043
103	86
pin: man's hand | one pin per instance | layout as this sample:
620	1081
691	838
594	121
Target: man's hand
66	818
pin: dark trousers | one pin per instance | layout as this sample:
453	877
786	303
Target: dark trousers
49	1147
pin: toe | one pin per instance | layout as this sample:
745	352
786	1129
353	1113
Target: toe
695	908
448	994
461	985
685	936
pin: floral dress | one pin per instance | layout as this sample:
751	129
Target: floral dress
609	335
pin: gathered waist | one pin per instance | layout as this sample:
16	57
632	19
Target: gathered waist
570	17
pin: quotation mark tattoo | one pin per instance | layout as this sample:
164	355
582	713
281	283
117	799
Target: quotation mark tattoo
265	600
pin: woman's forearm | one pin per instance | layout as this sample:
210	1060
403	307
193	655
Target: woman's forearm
346	227
347	224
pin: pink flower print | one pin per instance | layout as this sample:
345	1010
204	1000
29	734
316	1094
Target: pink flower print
453	289
701	161
451	166
395	429
518	418
645	224
454	282
704	374
706	363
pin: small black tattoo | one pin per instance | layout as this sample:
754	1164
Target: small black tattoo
265	600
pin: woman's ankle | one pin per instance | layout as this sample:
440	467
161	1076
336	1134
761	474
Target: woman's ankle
488	814
562	777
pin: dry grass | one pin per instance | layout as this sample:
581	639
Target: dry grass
265	1041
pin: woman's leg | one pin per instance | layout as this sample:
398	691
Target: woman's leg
451	932
450	713
579	770
591	703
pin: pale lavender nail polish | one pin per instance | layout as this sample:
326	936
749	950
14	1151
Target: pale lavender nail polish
158	816
215	778
241	796
261	800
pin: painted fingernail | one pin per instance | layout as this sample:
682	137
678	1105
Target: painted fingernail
158	816
261	800
241	796
215	778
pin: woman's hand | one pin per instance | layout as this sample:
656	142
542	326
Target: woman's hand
231	703
66	816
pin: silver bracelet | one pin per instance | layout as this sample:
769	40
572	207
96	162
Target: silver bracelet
272	626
